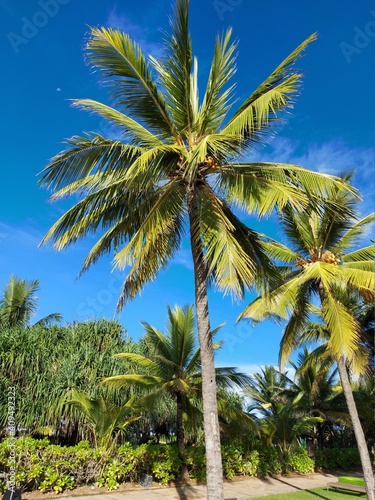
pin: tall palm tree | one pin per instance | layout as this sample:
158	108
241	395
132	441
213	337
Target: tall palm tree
19	303
173	365
177	170
323	262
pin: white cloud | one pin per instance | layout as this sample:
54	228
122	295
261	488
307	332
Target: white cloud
136	32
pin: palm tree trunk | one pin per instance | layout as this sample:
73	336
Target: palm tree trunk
180	434
358	431
215	487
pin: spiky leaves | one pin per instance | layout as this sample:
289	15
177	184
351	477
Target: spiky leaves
275	94
19	303
107	420
122	65
172	365
326	273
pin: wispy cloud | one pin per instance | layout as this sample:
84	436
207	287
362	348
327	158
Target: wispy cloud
138	33
183	258
332	157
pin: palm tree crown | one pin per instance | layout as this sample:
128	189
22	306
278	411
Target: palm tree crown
173	146
19	304
322	260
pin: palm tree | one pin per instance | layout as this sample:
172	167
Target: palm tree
107	421
172	366
319	394
19	303
323	263
280	420
177	169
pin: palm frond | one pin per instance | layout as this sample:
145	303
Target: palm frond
275	94
234	253
119	381
122	65
131	130
216	102
86	156
154	243
351	236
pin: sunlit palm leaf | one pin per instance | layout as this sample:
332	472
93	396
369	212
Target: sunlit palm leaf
275	94
121	63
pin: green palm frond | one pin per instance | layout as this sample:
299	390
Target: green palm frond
234	253
278	303
18	302
275	94
227	377
279	252
138	359
366	254
263	187
103	207
176	67
50	318
216	101
122	65
130	129
119	381
154	243
351	236
86	156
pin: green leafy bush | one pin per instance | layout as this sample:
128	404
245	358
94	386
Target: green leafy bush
45	467
337	458
298	460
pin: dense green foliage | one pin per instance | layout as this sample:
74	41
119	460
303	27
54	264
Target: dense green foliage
47	467
45	363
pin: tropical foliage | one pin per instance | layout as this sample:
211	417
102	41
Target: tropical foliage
172	365
281	420
179	167
326	264
44	364
19	303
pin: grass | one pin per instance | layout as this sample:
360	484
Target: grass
314	494
351	480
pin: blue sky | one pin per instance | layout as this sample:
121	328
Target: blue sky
330	129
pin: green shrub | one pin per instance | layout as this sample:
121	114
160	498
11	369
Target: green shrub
337	458
298	460
196	461
270	461
45	467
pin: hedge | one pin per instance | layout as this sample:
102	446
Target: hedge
46	467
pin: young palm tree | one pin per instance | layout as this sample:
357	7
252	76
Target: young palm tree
107	421
173	366
281	423
319	394
177	170
19	303
323	261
